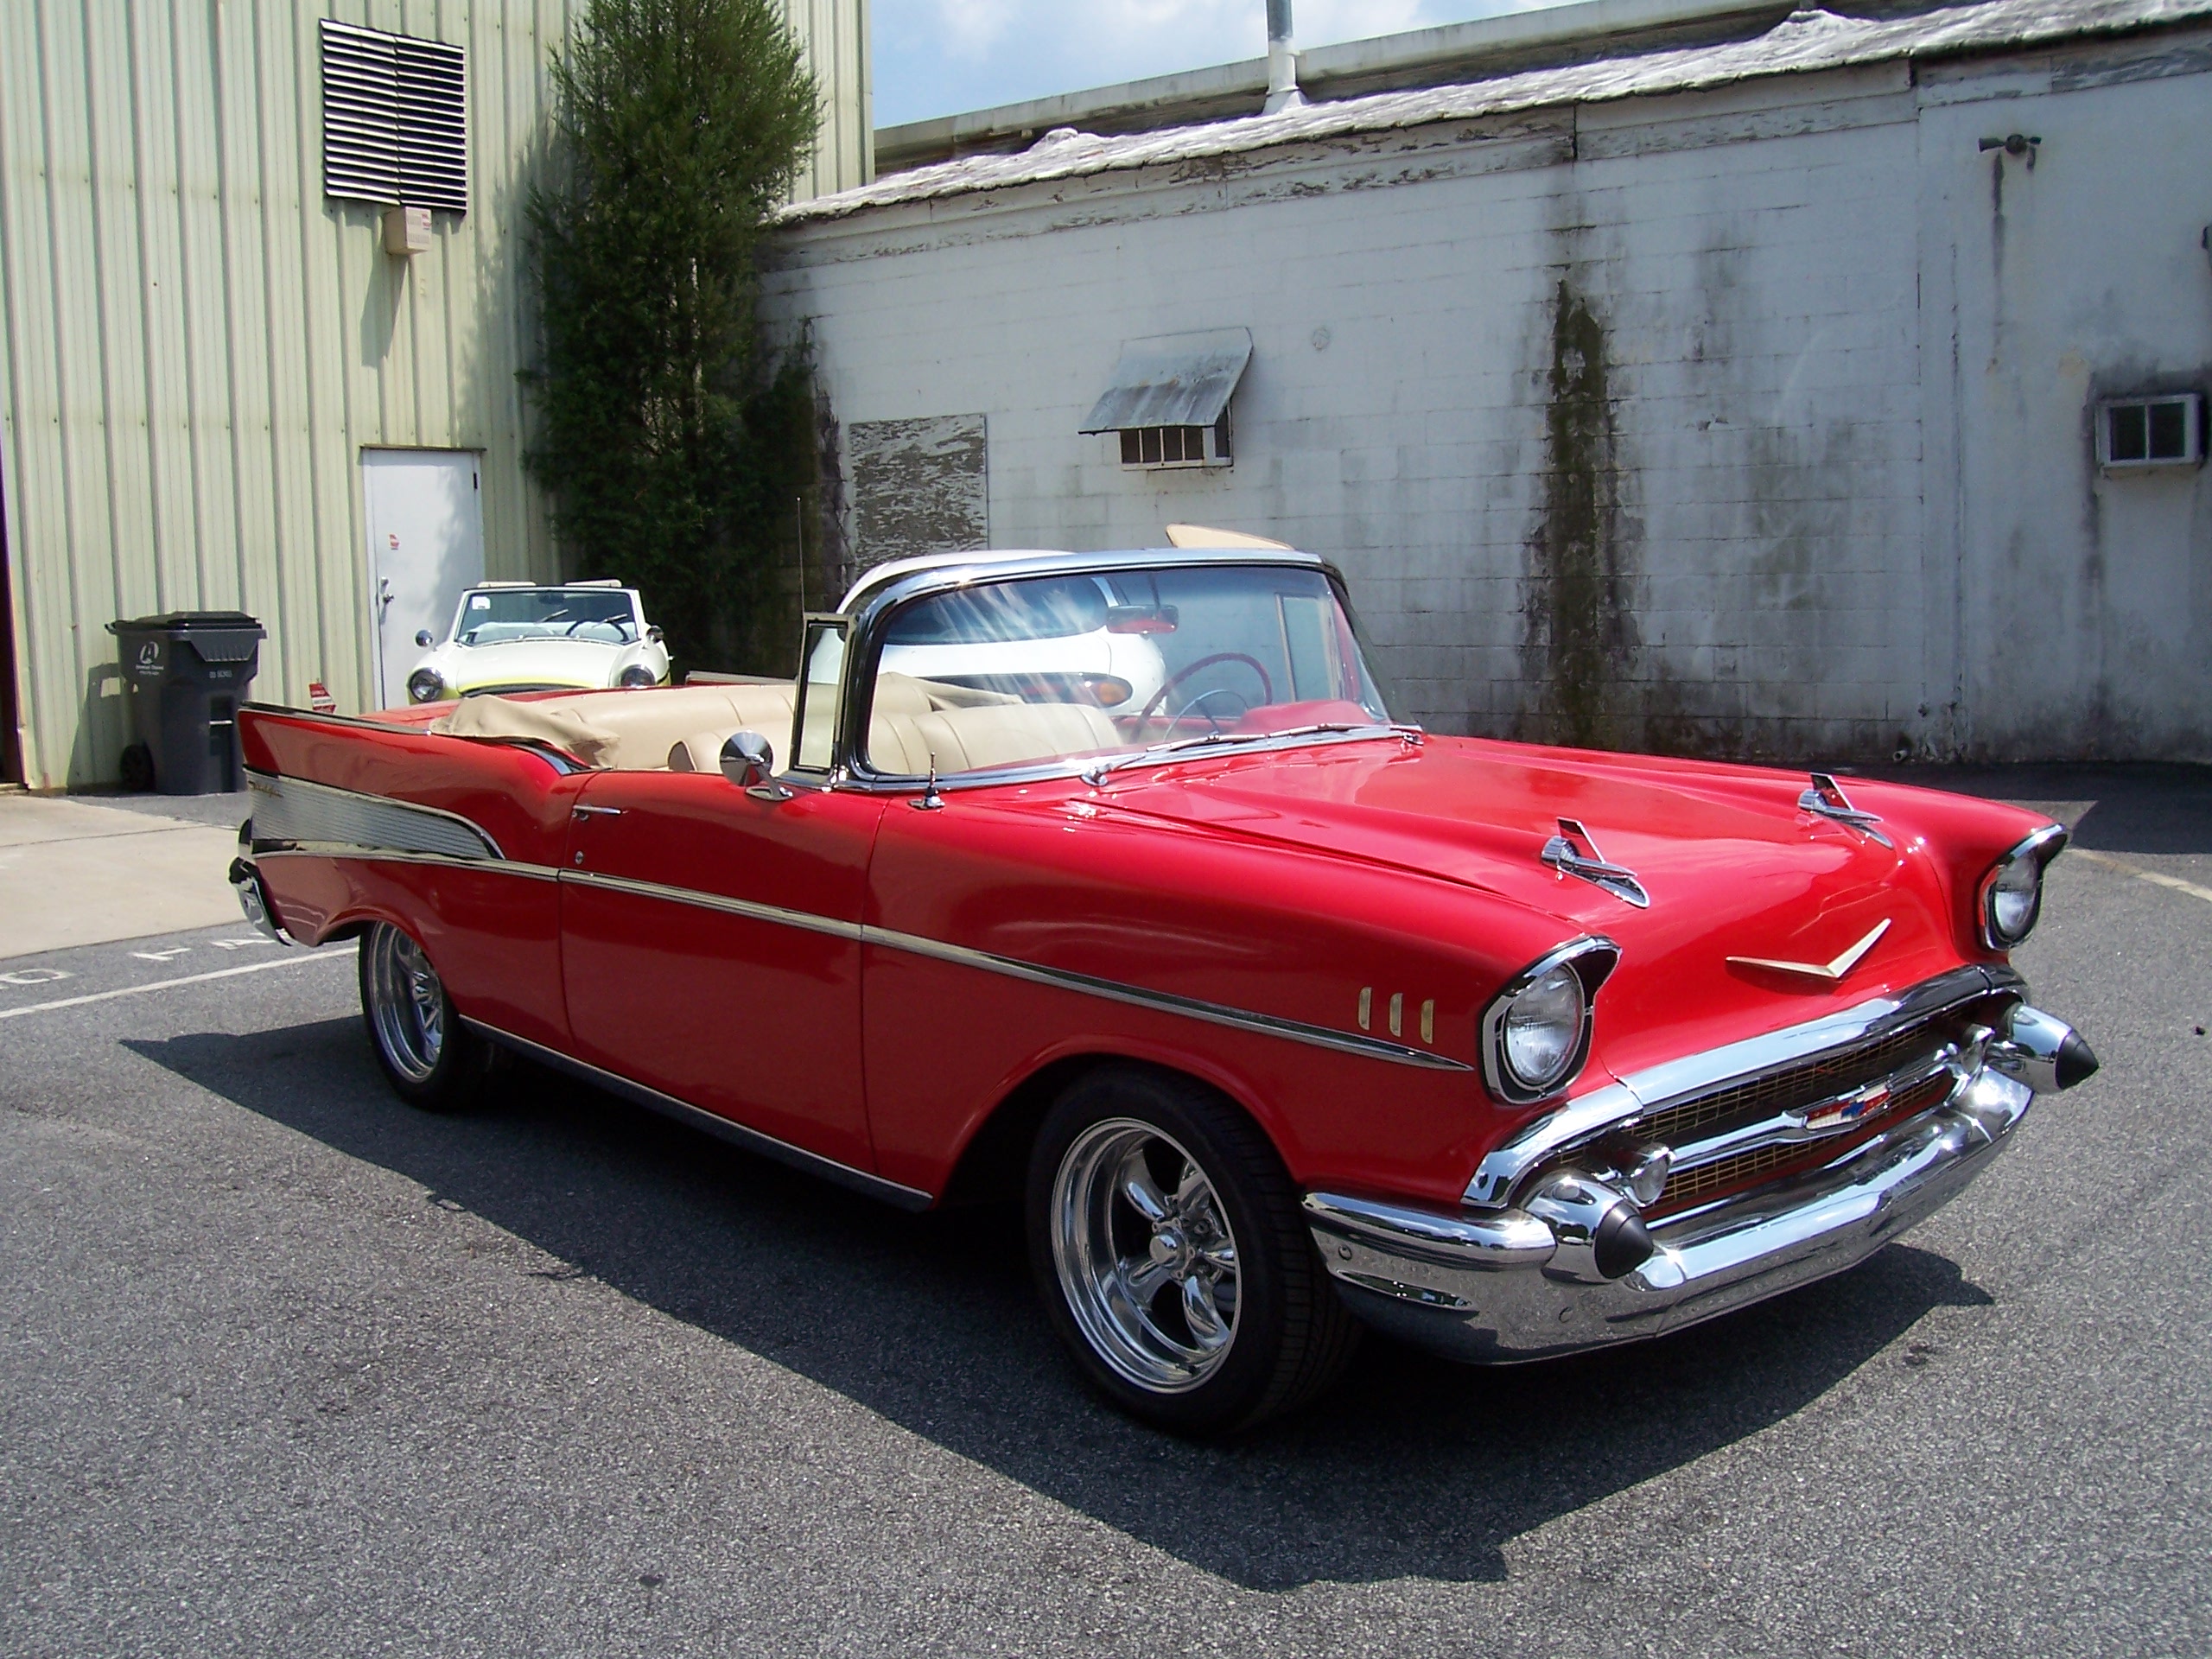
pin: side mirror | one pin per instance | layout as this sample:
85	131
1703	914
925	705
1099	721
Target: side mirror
749	762
422	638
653	634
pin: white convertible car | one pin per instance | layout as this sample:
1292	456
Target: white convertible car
519	636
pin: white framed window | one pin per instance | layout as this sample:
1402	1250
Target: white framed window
2138	434
1147	448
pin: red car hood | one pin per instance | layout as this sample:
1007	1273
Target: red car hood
1733	866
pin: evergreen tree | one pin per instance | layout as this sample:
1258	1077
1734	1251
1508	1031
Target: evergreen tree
664	437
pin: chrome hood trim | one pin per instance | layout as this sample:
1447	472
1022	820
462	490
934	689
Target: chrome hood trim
1574	852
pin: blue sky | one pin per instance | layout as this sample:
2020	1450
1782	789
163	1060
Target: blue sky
937	57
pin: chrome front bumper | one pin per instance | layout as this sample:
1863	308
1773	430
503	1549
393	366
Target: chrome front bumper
1501	1284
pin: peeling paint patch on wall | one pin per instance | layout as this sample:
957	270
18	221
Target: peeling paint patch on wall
920	487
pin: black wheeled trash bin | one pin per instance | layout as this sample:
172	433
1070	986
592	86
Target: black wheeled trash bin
188	671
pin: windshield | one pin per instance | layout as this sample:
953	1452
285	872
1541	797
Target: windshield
602	615
1045	667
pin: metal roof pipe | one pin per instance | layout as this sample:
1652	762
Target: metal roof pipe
1282	61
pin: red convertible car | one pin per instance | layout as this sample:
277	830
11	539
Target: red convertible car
1278	1015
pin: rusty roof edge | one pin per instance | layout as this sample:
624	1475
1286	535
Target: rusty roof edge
1809	41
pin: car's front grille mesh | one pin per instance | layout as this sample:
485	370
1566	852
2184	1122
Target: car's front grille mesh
1807	1085
1689	1186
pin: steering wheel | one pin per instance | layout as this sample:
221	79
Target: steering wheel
1267	686
1198	704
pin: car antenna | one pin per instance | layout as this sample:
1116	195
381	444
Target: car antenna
931	801
798	524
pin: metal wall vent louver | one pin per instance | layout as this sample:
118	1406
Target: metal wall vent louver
395	127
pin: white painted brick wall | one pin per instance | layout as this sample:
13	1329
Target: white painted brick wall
1856	508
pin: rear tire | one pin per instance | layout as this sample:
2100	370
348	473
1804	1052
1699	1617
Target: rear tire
428	1057
1173	1258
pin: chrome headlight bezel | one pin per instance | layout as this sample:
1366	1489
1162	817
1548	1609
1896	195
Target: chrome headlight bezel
1591	960
638	676
2032	853
425	684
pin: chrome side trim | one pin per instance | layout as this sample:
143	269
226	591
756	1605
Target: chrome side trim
1217	1013
906	1197
804	920
292	808
386	855
1296	1031
1617	1104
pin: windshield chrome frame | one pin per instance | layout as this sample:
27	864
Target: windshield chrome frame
877	602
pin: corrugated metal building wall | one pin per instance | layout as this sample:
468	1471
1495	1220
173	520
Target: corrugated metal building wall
195	346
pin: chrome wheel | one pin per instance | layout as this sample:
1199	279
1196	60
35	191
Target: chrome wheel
1145	1256
407	1006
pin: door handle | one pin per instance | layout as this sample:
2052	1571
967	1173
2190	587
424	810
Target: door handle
383	597
597	812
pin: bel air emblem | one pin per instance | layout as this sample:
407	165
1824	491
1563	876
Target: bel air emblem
1829	970
1853	1106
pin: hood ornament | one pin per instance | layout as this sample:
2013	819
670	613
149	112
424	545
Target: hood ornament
1572	852
1827	971
1825	799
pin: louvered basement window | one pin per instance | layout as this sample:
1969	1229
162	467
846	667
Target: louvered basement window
395	127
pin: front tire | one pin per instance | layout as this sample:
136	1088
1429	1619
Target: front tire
428	1057
1168	1246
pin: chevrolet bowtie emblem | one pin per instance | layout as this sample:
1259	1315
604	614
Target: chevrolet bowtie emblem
1836	970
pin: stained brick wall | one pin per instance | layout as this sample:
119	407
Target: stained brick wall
1752	422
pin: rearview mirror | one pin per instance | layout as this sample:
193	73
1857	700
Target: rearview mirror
1141	618
747	758
422	637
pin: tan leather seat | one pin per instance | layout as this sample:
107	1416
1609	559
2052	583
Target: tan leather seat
631	731
973	740
682	728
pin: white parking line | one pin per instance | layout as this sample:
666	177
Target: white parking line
2173	882
164	984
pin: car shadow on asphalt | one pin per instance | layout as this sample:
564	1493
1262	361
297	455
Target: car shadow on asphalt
1413	1467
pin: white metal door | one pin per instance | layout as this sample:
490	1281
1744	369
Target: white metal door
426	545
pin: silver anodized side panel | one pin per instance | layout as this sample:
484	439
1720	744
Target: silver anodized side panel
291	809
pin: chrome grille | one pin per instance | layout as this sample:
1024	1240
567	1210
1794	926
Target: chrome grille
1688	1187
1681	1126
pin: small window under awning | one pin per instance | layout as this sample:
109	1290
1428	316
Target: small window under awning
1173	380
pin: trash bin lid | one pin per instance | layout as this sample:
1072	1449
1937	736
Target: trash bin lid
211	636
184	621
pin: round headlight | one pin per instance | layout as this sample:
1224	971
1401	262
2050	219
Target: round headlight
2012	893
637	677
425	685
1542	1031
2015	899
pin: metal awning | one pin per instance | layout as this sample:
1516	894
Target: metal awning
1173	380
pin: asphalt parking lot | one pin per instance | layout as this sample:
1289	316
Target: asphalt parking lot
290	1368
